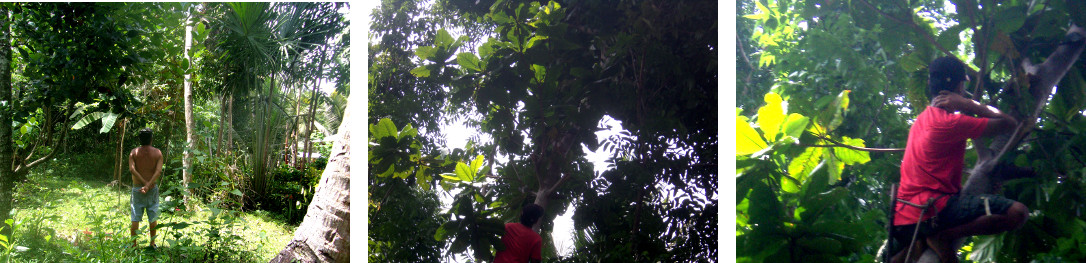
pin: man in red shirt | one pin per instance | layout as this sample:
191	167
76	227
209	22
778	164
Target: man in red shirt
932	170
522	244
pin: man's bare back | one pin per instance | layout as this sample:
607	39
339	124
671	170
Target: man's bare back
145	163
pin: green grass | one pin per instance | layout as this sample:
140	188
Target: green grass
62	218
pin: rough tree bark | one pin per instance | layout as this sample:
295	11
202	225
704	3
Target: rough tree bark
324	235
1042	78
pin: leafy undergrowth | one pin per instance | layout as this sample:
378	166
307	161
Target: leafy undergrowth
64	219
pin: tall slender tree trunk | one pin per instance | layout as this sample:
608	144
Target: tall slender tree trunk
119	157
324	235
309	124
313	108
229	128
7	173
186	161
219	139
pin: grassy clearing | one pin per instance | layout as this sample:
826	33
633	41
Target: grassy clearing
70	219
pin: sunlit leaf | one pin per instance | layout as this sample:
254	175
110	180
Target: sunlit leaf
747	140
463	171
477	164
795	124
771	116
803	164
850	156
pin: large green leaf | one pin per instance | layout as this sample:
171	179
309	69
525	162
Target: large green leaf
477	164
540	72
407	132
789	184
468	61
771	116
803	164
795	124
850	156
108	119
443	39
421	72
747	140
384	128
463	171
425	52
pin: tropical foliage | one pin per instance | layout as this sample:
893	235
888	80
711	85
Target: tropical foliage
537	80
243	80
806	194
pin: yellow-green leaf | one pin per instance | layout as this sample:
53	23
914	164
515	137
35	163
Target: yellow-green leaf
477	163
789	184
834	165
802	165
771	116
747	140
464	172
795	124
850	156
450	177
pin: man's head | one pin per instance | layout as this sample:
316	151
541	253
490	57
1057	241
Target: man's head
145	136
946	73
530	214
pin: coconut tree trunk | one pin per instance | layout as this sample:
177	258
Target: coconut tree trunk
324	235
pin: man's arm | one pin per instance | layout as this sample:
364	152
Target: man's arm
998	122
158	172
132	168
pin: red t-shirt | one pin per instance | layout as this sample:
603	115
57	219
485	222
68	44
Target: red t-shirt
934	156
521	244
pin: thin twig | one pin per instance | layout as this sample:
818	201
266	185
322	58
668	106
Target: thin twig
839	144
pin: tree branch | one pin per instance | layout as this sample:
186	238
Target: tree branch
842	145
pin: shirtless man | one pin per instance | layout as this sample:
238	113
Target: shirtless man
145	163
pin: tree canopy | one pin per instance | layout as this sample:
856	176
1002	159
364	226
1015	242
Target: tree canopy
538	78
827	91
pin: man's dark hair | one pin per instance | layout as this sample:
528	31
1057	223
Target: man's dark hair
944	74
145	136
530	214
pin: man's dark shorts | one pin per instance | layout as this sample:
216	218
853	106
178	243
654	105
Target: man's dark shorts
960	209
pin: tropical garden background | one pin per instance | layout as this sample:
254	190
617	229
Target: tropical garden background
245	99
539	86
826	92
